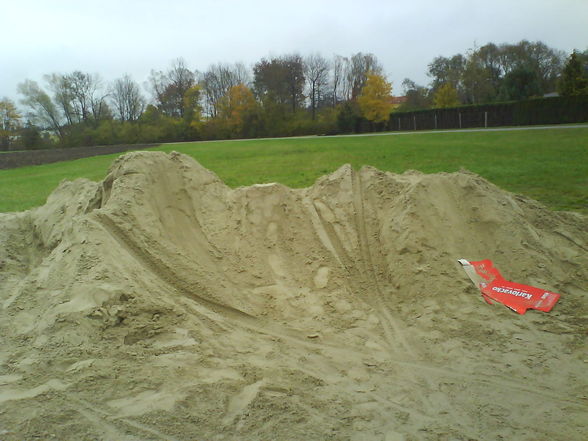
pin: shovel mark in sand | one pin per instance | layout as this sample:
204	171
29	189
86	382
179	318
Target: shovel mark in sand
160	269
13	394
238	403
108	423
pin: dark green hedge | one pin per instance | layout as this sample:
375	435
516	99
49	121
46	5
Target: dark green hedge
557	110
553	110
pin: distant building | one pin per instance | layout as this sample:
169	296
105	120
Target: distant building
396	101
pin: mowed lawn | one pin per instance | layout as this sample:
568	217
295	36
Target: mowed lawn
548	165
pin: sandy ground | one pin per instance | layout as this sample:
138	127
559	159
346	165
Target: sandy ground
159	304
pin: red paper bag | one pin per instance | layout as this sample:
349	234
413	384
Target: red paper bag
516	296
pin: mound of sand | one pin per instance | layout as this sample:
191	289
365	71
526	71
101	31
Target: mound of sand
160	304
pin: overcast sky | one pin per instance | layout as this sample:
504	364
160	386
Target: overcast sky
114	37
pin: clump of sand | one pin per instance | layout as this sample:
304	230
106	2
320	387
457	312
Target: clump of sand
159	304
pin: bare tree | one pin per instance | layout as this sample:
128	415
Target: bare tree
157	84
42	109
62	96
126	98
218	80
339	66
316	72
168	88
359	66
82	87
78	95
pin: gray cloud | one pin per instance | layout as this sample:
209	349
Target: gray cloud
114	37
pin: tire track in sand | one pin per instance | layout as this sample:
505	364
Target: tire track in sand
393	327
394	331
362	280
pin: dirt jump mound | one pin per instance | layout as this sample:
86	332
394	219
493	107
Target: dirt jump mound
160	304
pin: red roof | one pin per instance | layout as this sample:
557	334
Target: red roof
397	100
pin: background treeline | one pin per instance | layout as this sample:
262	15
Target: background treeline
279	96
495	73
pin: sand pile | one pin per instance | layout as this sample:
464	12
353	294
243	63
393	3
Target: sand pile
159	304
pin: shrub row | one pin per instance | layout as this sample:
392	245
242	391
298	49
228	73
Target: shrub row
553	110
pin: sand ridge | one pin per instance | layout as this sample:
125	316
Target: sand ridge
161	304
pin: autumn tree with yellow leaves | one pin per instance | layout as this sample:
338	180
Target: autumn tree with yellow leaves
9	122
375	98
236	108
446	96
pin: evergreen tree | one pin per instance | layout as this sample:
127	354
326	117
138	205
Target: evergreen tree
574	79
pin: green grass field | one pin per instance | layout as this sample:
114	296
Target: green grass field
548	165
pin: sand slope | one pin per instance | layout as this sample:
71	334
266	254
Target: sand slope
160	304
